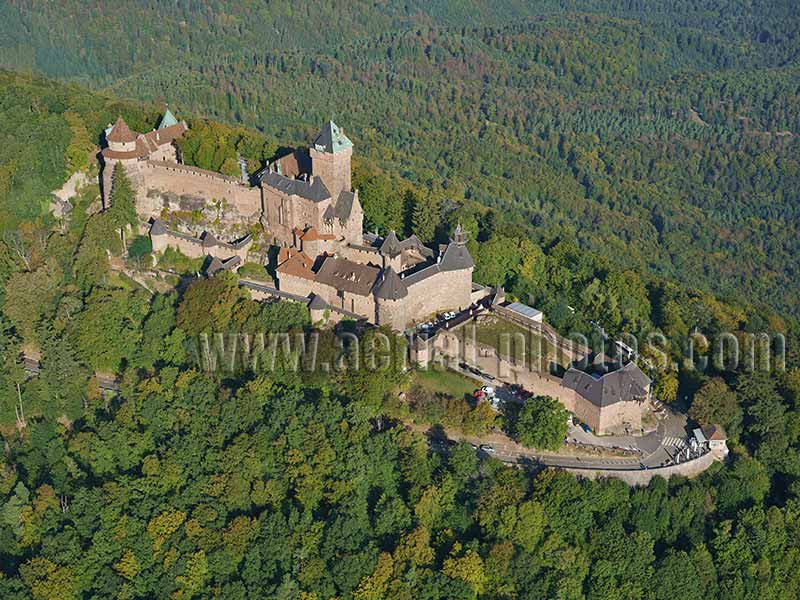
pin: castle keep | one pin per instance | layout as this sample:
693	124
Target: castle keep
304	204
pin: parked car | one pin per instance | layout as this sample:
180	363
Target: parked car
586	428
487	448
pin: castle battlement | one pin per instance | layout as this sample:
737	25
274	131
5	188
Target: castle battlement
196	171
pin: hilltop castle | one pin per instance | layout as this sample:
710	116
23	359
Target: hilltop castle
304	204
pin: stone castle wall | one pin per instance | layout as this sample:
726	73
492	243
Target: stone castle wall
317	247
459	346
689	469
284	212
614	418
358	255
299	286
353	229
446	290
392	313
194	248
362	305
177	188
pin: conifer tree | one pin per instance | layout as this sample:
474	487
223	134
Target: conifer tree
122	211
424	215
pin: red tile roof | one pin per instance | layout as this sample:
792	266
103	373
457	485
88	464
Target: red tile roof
145	144
311	234
121	132
292	262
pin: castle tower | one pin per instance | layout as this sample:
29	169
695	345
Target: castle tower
390	293
168	120
120	138
457	264
330	152
391	251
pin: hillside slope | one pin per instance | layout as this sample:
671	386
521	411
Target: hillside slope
663	137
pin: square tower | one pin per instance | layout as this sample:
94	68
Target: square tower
330	153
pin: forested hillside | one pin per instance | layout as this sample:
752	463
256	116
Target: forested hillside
634	163
661	135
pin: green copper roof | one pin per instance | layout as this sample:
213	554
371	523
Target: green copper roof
167	120
331	139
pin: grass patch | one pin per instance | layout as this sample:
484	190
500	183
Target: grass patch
178	262
445	382
131	283
253	270
514	342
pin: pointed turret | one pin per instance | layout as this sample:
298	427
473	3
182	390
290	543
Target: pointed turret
331	139
459	235
456	256
168	120
390	246
390	286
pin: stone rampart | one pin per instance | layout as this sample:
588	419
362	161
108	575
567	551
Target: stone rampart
179	188
642	477
445	290
195	247
459	345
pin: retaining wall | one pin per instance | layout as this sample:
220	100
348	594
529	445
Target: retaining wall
691	468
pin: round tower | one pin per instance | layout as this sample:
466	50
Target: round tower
120	138
390	300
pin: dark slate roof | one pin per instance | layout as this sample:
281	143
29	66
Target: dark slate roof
421	274
390	286
120	132
625	384
240	243
330	213
456	257
390	245
157	228
347	275
209	240
344	205
318	303
313	190
216	265
331	139
413	241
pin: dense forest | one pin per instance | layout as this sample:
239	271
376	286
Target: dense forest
662	135
270	483
627	162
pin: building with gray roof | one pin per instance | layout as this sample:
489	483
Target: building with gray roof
625	384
